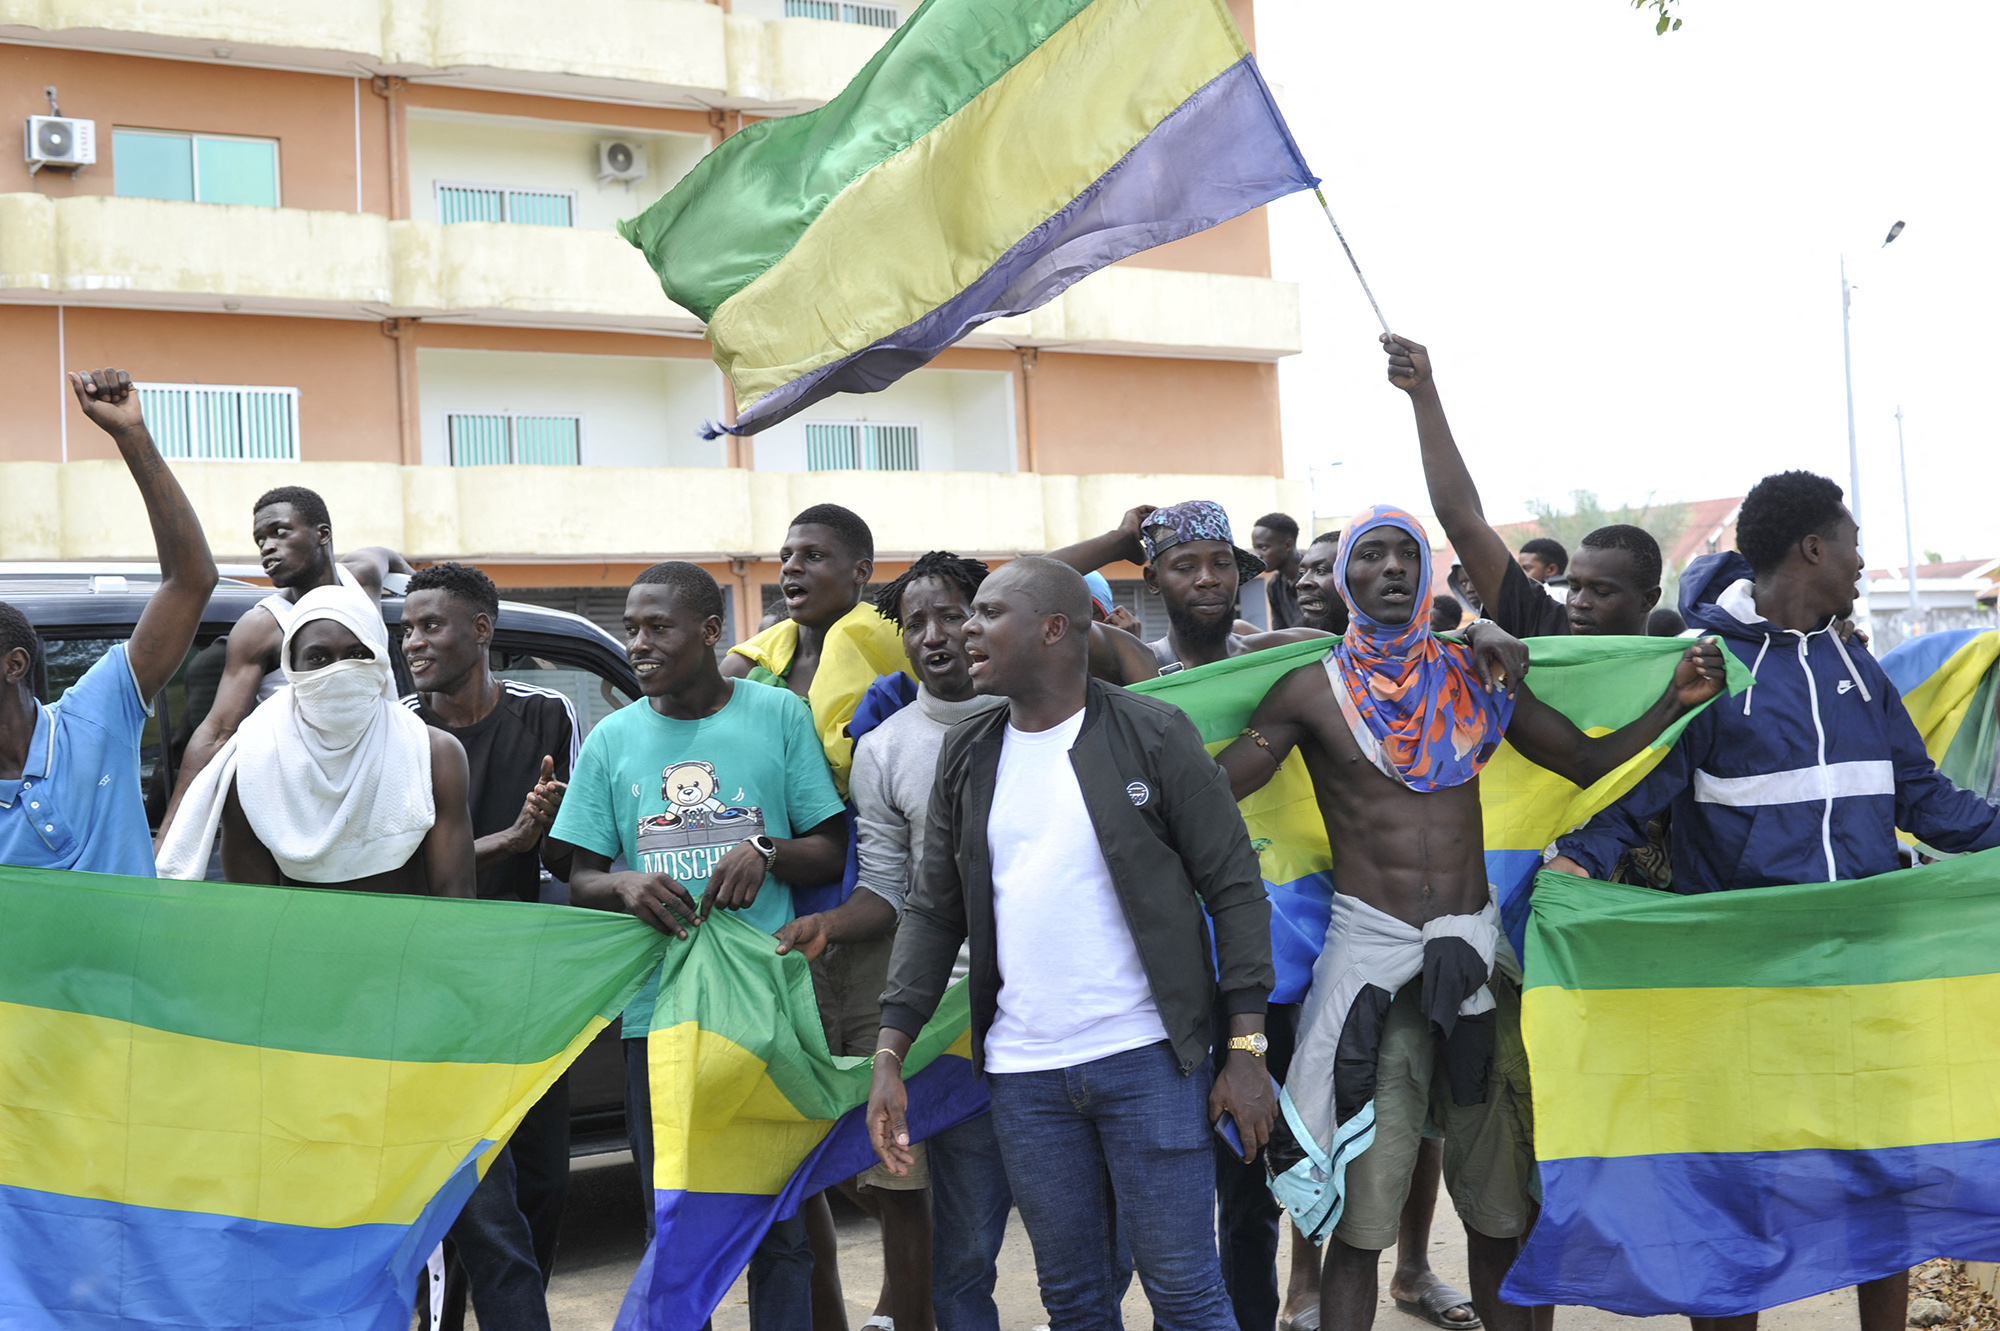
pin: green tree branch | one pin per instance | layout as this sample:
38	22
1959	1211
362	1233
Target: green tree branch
1668	22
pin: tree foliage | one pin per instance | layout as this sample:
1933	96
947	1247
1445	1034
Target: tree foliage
1666	523
1668	21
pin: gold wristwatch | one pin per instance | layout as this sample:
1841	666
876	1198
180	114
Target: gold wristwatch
1254	1045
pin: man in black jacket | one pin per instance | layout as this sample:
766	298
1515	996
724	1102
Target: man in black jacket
1076	836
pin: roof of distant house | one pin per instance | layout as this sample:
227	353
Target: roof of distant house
1711	526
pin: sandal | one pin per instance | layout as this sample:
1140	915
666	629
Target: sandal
1306	1320
1437	1300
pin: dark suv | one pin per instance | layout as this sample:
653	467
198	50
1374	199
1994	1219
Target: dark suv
81	611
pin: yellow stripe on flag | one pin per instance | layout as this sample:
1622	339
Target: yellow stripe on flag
103	1109
1837	1067
908	235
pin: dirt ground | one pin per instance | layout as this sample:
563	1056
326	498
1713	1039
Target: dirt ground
603	1239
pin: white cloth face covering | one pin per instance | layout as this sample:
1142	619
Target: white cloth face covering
333	773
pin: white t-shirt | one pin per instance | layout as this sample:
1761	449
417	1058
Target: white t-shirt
1072	988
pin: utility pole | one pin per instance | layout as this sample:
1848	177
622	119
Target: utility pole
1847	361
1916	610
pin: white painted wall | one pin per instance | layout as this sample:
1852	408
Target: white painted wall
463	149
637	411
967	419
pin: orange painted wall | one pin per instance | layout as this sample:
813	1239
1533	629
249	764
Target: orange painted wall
31	385
311	116
1142	414
1241	246
345	371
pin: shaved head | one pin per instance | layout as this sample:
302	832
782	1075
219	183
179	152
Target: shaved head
1049	587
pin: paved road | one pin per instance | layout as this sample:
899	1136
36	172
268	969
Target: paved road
603	1238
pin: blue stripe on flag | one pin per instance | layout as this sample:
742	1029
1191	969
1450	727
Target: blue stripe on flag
1724	1234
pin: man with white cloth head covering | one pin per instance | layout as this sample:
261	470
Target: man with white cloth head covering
333	783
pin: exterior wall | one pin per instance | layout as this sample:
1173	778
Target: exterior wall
1140	370
597	515
635	411
1133	413
345	372
966	419
313	117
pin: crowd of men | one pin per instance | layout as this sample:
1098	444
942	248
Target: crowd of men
967	732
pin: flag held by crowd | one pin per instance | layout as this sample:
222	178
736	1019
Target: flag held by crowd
1599	683
1948	682
752	1115
1746	1098
250	1107
993	153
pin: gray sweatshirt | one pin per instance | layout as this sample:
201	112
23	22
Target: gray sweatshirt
895	766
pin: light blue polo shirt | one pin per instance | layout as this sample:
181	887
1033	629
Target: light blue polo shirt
78	804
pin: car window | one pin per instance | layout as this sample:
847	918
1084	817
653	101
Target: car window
593	695
177	709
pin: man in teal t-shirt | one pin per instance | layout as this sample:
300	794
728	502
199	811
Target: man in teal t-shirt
717	795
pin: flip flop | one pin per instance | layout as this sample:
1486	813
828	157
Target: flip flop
1437	1300
1307	1320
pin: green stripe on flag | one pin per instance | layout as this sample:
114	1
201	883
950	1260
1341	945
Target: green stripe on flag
1767	937
357	974
730	981
1598	682
745	220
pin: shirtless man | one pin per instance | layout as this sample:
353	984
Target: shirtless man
294	539
334	784
1397	786
1196	568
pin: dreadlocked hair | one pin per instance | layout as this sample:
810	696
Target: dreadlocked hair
964	574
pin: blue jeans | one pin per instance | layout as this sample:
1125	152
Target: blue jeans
539	1152
780	1268
1247	1216
1116	1148
969	1205
498	1249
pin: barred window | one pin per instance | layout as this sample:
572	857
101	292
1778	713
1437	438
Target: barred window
858	446
502	203
223	422
501	439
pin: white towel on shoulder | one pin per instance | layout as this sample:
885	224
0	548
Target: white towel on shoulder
334	775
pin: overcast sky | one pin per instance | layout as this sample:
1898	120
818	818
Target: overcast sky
1623	250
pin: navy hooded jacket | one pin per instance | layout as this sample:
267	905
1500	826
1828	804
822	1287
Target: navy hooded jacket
1803	778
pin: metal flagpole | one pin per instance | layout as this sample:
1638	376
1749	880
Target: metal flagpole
1350	258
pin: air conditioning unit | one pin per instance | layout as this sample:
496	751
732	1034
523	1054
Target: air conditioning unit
60	141
620	159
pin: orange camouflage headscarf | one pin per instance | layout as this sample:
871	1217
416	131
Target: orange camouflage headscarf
1413	700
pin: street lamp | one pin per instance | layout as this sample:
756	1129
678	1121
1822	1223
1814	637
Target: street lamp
1853	450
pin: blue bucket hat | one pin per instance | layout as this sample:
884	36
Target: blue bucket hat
1195	520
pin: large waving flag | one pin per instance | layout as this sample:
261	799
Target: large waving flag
250	1108
1599	683
752	1115
991	154
1745	1098
1948	682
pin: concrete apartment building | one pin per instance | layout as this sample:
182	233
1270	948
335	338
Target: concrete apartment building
367	246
